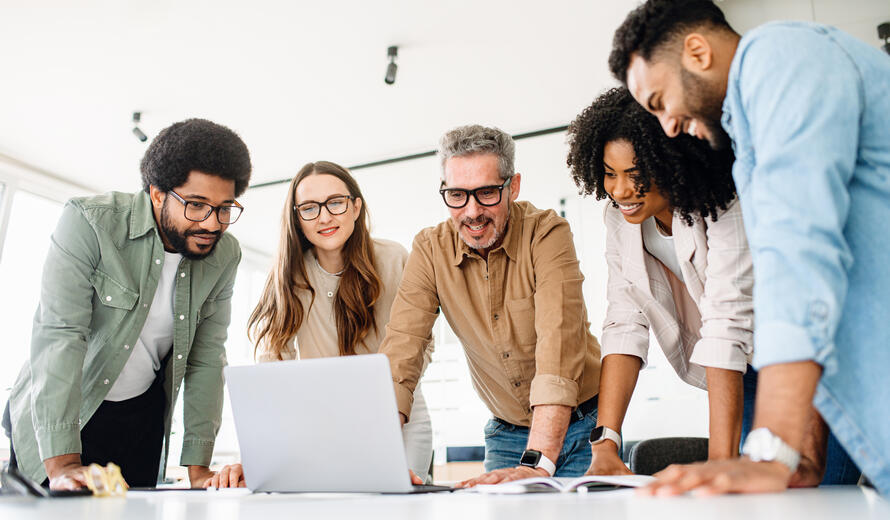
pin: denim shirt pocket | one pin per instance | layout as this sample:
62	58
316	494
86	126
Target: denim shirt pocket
112	302
112	293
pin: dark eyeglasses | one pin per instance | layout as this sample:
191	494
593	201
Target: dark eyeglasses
336	205
200	211
486	195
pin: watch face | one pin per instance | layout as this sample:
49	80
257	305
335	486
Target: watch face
597	433
530	458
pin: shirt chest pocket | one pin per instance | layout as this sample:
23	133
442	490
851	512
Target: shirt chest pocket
112	301
522	319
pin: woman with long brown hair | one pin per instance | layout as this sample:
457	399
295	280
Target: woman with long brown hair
330	291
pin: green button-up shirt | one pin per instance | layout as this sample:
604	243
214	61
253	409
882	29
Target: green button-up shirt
99	280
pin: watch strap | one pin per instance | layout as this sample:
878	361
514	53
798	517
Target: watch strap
608	434
762	445
541	461
547	465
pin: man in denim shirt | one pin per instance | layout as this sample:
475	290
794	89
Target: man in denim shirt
135	300
807	109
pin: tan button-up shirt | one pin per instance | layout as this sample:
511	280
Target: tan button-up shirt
520	315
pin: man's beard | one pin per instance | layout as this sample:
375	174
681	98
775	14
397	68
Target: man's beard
178	240
705	103
482	219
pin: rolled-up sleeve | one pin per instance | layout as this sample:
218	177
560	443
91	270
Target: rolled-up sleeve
727	309
804	124
409	331
560	319
625	329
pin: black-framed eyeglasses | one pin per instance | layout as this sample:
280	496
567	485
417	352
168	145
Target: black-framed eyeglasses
485	195
201	211
336	205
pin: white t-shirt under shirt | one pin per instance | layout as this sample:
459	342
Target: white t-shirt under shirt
155	340
661	246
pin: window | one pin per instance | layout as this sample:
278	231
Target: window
32	219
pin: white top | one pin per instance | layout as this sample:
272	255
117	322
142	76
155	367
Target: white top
661	246
318	337
155	340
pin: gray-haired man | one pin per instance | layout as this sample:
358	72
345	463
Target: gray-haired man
506	276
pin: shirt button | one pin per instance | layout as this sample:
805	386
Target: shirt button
330	294
144	305
517	384
485	277
158	261
126	347
182	316
505	355
182	275
179	356
105	382
108	298
496	316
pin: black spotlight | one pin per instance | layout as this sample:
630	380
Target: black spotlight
137	116
392	53
884	34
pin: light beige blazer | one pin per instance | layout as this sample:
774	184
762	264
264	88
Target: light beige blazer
718	275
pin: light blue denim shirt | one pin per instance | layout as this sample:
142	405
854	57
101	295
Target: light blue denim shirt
808	110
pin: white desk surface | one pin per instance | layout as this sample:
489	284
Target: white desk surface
838	503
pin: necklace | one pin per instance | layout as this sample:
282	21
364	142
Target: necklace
323	269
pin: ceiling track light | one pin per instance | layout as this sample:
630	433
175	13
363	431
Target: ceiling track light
392	53
137	117
884	34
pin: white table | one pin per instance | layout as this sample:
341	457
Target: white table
838	503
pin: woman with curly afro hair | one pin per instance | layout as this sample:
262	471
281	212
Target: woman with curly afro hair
678	263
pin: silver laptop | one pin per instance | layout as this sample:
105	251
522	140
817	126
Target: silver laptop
320	425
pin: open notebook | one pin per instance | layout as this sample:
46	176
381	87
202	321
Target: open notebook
566	485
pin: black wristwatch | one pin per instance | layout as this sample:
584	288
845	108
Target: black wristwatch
602	433
536	459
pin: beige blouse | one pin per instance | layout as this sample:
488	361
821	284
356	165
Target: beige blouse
317	337
706	320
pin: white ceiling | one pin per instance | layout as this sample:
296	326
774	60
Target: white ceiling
302	81
299	81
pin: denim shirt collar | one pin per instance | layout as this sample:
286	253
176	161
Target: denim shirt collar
142	217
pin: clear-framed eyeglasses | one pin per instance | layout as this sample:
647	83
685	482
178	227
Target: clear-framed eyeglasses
457	198
201	211
336	205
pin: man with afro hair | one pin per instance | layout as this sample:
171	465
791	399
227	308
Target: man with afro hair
135	300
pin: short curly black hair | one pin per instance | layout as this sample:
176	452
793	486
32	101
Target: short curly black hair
195	144
656	22
695	179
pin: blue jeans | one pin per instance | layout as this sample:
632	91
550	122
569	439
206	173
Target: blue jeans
504	444
839	468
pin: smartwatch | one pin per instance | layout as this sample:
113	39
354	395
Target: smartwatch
762	445
602	433
536	459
